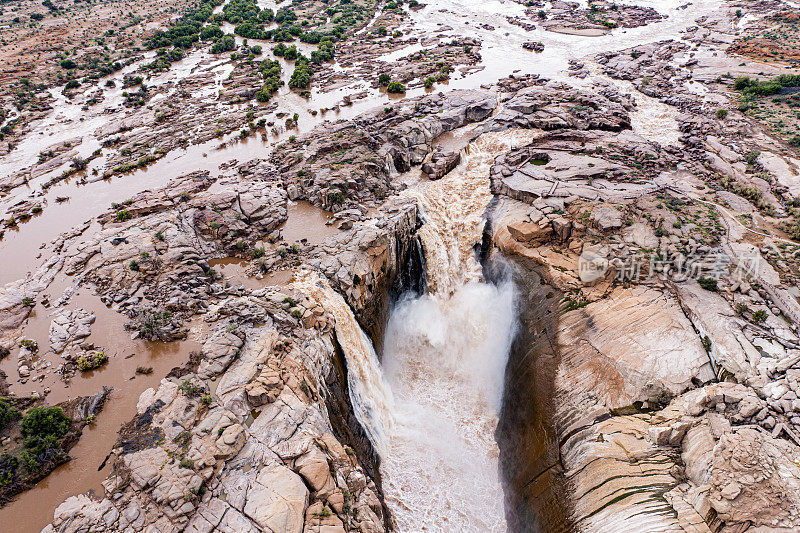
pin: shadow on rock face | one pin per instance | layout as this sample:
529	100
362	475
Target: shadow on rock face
529	459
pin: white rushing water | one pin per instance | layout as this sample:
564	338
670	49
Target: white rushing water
444	359
431	408
371	398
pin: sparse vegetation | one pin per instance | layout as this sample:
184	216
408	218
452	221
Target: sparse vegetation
91	361
760	316
709	284
189	389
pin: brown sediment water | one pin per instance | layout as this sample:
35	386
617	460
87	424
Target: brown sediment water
234	270
32	510
306	224
456	139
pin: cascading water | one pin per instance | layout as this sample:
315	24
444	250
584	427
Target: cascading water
370	397
453	209
444	359
432	412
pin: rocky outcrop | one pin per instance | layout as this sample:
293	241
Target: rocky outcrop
150	259
237	460
351	163
628	430
441	162
18	298
374	263
257	433
555	106
69	325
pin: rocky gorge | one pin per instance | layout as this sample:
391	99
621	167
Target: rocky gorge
454	283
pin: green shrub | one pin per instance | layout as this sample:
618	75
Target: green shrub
301	77
150	322
44	423
30	345
706	343
271	70
30	461
396	87
709	284
751	88
211	32
123	215
760	316
7	414
290	53
751	157
722	114
226	44
190	389
384	79
91	361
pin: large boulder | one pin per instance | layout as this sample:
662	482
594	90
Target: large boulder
277	499
442	161
69	325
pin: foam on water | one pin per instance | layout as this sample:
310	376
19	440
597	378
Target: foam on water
444	360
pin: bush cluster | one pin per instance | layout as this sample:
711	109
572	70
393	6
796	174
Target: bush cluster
271	70
92	360
750	87
301	77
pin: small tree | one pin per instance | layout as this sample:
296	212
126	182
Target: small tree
44	422
396	87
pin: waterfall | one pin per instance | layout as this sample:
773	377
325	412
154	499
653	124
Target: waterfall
444	359
370	397
432	410
453	208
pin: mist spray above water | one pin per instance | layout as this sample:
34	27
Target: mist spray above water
444	359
